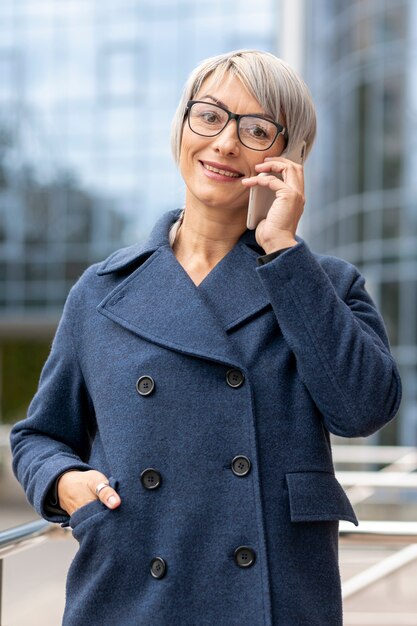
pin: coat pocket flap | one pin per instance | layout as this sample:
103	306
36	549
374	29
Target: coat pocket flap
317	496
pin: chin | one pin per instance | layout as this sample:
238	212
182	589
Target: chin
224	201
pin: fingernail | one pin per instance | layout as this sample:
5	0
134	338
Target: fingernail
112	500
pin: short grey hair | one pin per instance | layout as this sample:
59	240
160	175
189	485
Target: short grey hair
275	85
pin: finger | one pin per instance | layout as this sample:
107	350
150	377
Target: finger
269	162
292	173
106	494
249	182
264	180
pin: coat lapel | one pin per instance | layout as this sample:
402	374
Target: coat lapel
232	289
159	302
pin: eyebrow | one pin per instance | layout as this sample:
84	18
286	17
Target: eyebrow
222	104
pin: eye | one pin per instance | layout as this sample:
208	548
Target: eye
257	131
206	114
209	116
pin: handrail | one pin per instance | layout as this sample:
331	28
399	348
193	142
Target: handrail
399	480
353	454
379	532
399	459
379	571
18	534
386	533
21	537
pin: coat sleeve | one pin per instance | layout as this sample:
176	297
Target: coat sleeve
338	338
57	433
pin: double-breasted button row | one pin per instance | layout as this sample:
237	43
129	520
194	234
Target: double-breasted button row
146	384
244	557
151	478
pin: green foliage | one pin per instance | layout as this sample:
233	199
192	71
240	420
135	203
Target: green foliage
21	364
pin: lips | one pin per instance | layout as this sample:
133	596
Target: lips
222	170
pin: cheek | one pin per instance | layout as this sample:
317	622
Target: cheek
189	148
277	149
184	156
255	161
254	158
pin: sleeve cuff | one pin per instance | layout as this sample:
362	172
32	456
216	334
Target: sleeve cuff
51	504
263	260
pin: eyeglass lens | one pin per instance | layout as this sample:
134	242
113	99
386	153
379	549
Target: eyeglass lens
209	120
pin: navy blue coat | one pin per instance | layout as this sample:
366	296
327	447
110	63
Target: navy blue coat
310	356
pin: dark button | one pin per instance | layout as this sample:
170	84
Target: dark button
151	479
241	465
235	378
244	556
145	385
158	567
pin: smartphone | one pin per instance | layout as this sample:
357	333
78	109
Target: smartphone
261	198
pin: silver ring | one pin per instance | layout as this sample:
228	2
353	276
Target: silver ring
100	487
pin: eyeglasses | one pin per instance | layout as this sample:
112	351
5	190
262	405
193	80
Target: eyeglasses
254	132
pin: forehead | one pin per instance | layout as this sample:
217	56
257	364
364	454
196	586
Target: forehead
230	90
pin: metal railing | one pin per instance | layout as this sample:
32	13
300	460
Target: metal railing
376	532
373	454
399	463
387	533
398	473
18	538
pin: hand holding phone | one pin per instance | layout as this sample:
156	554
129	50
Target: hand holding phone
261	198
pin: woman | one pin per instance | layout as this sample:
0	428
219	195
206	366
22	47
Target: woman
181	426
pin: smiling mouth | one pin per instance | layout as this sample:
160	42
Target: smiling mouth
217	170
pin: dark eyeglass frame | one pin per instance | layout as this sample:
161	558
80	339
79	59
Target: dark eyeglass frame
281	130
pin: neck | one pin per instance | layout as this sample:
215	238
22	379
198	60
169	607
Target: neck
206	237
203	239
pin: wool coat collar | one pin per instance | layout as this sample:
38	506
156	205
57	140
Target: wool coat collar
159	302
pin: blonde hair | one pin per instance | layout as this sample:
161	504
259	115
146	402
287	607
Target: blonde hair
276	86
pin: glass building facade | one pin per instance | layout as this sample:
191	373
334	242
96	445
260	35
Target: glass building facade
360	63
87	92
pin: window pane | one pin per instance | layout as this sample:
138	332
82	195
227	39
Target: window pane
390	309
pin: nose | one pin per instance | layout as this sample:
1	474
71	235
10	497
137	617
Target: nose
227	142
